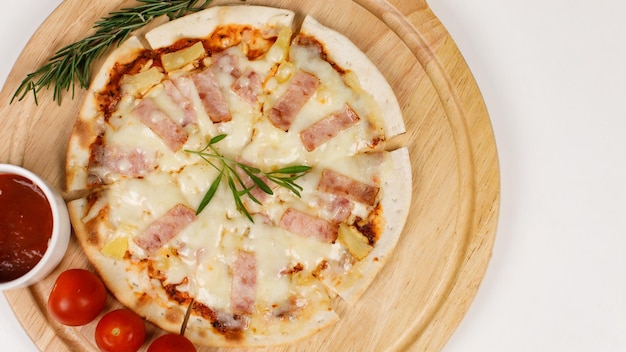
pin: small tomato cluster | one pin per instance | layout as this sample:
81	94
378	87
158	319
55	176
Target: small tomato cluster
79	296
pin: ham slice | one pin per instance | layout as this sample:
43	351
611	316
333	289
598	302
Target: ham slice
243	287
227	63
309	226
130	162
341	185
302	86
180	93
248	86
211	96
163	126
339	209
327	128
163	229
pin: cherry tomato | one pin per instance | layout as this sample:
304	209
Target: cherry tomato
77	297
171	343
120	330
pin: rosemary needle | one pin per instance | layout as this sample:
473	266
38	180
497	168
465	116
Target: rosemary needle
72	63
227	168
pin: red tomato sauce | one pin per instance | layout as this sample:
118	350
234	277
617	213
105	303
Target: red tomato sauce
25	226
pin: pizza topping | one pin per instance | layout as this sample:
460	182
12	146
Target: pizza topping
302	86
339	209
165	228
336	183
230	169
178	59
256	43
248	86
227	63
112	159
161	124
224	37
309	226
141	82
357	244
212	97
243	289
179	91
257	194
327	128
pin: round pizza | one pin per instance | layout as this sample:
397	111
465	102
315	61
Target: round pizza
237	174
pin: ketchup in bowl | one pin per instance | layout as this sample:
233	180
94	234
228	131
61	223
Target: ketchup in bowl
25	226
35	227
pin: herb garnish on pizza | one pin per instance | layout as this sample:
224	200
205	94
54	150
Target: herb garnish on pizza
238	172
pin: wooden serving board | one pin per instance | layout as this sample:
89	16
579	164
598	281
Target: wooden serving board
425	289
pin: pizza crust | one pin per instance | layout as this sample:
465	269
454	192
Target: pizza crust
203	23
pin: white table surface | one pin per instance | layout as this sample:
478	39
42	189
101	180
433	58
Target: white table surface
553	76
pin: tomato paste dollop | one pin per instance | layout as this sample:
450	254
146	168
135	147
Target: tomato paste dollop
25	226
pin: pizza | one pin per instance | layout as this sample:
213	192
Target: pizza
236	175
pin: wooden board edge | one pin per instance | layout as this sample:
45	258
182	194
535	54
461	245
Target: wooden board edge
463	102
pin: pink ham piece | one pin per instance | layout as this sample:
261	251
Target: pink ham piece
163	229
180	94
341	185
327	128
227	63
126	162
309	226
161	124
302	86
211	96
248	86
256	192
339	208
243	286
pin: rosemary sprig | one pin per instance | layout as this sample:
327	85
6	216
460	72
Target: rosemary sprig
72	63
227	168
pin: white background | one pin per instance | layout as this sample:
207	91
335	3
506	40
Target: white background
553	76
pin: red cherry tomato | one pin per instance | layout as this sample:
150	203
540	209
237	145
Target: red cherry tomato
171	343
120	330
77	297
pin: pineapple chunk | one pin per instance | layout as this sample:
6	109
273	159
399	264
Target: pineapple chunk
352	81
285	71
142	81
356	243
280	49
116	248
181	58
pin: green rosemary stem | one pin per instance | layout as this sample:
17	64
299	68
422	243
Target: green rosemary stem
72	63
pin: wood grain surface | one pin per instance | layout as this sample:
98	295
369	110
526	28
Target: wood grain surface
423	292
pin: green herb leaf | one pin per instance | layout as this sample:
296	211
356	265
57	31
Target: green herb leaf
72	63
284	177
217	138
297	169
237	196
210	193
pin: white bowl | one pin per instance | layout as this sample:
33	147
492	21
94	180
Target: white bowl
61	230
